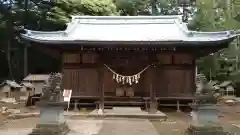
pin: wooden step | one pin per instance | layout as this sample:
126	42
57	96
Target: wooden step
108	107
121	103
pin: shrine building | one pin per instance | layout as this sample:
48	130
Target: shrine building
129	60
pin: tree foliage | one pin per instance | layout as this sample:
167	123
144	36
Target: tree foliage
211	15
217	16
39	16
97	7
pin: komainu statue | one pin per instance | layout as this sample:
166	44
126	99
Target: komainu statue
206	95
52	90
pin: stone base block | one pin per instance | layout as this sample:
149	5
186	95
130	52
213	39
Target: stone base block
50	129
206	129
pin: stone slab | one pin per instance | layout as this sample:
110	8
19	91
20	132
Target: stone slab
84	127
126	110
127	127
141	115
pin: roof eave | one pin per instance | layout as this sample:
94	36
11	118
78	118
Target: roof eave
139	43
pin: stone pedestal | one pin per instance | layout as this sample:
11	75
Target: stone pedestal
205	129
51	119
76	106
50	129
205	113
205	118
153	108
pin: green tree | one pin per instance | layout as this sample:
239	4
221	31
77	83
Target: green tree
97	7
144	7
39	17
217	15
133	7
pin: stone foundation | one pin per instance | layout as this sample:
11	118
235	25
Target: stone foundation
206	129
50	129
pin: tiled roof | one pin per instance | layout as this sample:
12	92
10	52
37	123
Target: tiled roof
27	84
225	83
11	84
126	29
36	77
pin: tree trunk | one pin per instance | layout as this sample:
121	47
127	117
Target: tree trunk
9	31
9	59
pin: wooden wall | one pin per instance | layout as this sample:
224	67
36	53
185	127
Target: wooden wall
80	73
173	75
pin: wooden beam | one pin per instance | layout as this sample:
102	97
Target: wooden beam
54	53
80	65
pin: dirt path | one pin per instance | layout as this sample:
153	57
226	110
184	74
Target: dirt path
127	127
18	127
84	127
25	126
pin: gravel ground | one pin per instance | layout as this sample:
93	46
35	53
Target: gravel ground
78	127
86	127
176	124
18	127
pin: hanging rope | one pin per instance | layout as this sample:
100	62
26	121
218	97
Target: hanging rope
126	79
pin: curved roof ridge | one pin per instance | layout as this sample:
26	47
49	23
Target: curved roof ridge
182	26
218	33
44	32
175	19
71	25
126	17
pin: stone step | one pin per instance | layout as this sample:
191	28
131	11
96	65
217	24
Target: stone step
127	110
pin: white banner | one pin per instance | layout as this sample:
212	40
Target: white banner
67	93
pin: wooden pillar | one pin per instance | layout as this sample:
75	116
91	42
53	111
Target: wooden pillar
101	87
102	98
25	59
194	75
153	104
